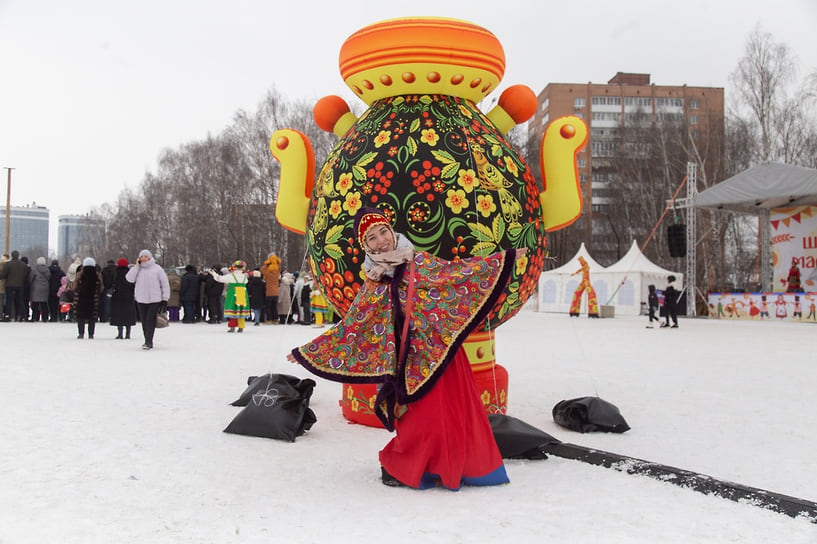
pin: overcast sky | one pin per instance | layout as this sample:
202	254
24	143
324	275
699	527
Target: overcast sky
92	91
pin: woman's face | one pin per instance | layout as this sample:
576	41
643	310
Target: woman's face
379	239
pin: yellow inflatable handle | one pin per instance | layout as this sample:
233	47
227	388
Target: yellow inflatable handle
294	151
561	200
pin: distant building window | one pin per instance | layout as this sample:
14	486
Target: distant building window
637	118
582	179
581	163
671	117
638	101
693	104
606	101
669	102
579	114
606	116
545	119
545	104
602	149
693	119
578	102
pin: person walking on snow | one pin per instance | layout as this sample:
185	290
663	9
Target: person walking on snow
151	291
652	305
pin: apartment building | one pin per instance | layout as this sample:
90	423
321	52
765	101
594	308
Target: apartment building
626	100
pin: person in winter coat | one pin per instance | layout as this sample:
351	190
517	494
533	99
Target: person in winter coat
71	274
189	293
304	294
72	270
38	279
107	281
652	305
26	290
213	290
86	297
151	291
671	295
123	305
15	272
236	301
174	302
271	271
297	301
4	258
257	292
53	287
201	301
285	298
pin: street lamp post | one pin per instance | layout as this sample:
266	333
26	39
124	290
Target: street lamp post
8	206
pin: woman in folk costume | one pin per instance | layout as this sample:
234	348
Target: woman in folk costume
236	301
427	391
793	279
319	306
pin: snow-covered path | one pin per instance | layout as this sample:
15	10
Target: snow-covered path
102	442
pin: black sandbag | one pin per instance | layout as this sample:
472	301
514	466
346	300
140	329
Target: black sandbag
589	414
269	415
517	439
285	385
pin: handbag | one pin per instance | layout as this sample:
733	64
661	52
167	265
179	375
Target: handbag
162	320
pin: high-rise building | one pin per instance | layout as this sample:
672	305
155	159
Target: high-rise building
28	230
613	112
79	236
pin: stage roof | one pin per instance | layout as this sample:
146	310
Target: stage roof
770	185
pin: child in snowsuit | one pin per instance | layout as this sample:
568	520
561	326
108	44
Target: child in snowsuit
652	305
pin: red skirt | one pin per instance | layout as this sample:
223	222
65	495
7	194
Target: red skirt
445	439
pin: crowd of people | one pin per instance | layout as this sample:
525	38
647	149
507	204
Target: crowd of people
87	293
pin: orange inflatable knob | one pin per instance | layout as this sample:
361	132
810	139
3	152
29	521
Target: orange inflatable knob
516	105
332	115
519	102
567	131
282	143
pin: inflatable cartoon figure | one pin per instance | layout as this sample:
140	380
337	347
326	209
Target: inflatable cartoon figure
438	167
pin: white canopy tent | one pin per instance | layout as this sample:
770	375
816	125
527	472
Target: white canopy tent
632	275
556	287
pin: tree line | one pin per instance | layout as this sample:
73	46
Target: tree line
213	201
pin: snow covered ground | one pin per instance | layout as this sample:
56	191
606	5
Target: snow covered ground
102	442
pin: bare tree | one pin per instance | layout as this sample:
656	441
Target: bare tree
760	81
212	201
771	101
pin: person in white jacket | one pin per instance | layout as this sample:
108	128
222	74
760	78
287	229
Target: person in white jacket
151	292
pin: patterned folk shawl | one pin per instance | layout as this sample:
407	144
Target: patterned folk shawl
450	299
